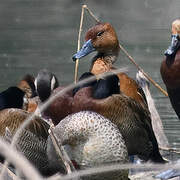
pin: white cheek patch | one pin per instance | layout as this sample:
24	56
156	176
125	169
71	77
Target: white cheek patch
53	81
35	83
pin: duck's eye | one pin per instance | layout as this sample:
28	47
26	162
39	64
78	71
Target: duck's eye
100	33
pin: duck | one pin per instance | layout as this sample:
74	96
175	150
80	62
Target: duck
63	105
90	140
103	39
132	119
47	85
103	96
32	141
170	67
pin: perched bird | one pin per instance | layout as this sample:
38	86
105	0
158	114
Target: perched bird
32	142
170	68
90	140
103	39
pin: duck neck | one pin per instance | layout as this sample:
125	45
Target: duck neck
104	61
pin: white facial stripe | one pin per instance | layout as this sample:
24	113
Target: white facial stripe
35	83
53	81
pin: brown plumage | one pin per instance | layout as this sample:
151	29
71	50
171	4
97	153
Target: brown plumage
170	68
131	118
32	141
27	85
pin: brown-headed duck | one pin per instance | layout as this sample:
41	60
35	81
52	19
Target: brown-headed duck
170	67
103	39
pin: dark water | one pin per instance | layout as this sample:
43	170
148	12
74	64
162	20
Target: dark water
36	34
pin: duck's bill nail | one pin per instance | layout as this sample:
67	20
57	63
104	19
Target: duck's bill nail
84	51
175	43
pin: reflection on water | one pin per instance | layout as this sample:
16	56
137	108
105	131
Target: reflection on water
40	34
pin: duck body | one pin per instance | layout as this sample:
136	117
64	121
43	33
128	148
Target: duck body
170	66
170	74
91	141
132	120
12	98
60	107
32	142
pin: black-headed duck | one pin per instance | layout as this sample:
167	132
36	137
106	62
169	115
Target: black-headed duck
170	68
90	140
103	39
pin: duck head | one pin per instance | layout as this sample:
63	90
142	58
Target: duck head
175	39
101	38
45	82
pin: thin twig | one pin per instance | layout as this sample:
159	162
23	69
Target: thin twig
79	43
140	69
131	59
61	152
174	150
91	13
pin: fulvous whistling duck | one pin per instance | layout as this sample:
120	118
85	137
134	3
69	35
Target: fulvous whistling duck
170	68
